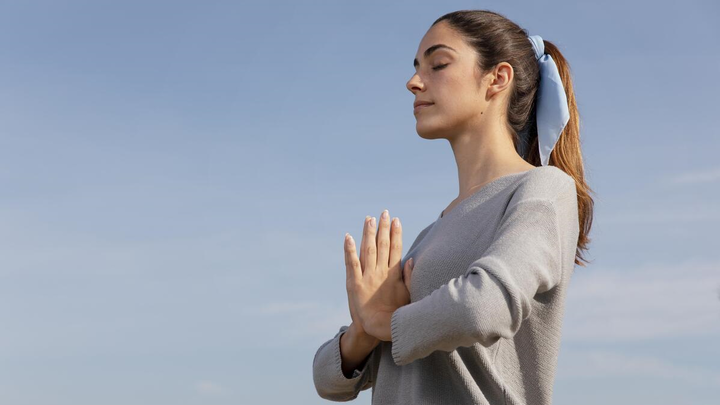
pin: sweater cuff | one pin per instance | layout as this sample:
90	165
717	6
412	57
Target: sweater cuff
338	363
330	382
398	336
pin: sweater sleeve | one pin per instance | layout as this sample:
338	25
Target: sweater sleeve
330	382
494	296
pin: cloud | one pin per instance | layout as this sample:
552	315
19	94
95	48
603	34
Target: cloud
288	307
664	215
696	177
288	322
655	215
603	305
592	364
208	388
689	209
655	301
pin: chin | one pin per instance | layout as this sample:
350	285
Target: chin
427	130
428	134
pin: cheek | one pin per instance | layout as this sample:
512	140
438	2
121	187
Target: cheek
469	100
462	104
458	98
461	93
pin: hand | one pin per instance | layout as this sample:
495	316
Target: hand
375	284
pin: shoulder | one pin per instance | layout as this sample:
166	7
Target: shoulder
547	183
547	190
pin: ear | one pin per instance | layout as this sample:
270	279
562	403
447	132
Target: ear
500	79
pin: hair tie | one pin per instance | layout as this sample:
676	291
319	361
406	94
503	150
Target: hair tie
551	106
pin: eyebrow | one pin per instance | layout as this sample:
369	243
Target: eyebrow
430	50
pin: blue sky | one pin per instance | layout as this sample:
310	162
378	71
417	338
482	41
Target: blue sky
177	178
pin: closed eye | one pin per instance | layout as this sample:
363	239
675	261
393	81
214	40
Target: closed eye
440	66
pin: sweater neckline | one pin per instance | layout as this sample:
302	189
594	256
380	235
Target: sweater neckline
480	192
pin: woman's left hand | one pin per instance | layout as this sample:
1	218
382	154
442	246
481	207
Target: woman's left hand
375	281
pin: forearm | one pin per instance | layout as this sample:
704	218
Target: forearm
355	349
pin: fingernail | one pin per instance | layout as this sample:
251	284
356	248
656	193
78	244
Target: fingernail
385	214
372	222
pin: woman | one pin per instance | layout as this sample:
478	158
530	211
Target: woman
473	314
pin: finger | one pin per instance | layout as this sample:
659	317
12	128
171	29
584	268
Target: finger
352	264
383	240
362	243
395	247
346	249
370	247
406	273
350	281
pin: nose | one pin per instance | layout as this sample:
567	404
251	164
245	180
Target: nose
414	84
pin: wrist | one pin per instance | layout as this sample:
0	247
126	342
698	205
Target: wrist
361	338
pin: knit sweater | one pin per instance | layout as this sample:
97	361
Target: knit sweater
487	296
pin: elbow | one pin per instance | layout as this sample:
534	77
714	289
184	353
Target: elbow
505	323
487	340
498	312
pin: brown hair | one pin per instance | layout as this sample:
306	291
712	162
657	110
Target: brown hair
497	39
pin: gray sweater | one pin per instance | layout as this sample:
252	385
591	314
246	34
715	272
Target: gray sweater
487	297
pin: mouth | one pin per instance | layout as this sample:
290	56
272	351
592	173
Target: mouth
422	106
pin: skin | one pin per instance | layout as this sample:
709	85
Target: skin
469	111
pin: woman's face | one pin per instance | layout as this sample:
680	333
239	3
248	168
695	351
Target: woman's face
449	79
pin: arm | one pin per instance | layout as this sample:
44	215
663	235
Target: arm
344	365
344	352
493	297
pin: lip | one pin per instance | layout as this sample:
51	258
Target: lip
421	102
422	105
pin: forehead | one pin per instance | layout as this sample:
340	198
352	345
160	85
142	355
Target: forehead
440	34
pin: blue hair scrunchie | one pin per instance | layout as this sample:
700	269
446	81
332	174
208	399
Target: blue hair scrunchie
551	106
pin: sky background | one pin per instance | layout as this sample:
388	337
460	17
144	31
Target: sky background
177	178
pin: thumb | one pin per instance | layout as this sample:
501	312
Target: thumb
407	272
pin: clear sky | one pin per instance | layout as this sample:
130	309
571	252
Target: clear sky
177	178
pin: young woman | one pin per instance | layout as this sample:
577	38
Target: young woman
473	313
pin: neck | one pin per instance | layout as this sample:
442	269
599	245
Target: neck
481	158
